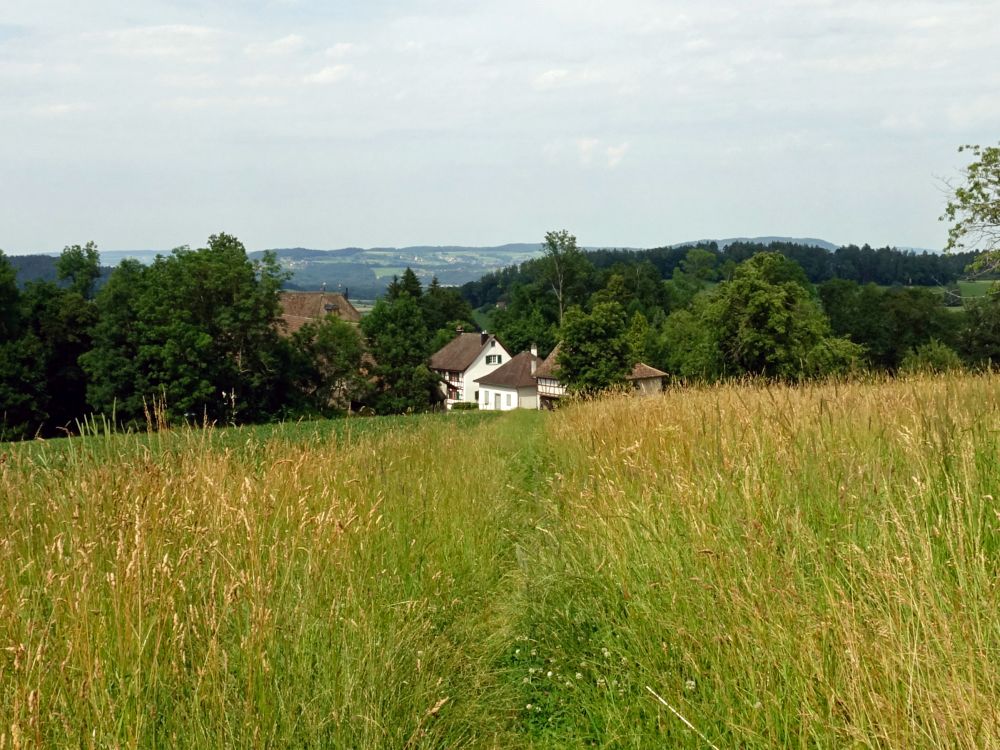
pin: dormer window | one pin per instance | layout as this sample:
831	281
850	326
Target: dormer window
492	359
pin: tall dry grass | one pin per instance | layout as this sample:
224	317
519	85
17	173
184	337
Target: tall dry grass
813	566
329	592
787	567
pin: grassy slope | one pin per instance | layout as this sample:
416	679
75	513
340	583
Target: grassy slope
783	567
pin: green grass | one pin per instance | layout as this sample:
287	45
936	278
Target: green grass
783	567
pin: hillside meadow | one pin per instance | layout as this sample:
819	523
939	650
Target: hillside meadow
735	566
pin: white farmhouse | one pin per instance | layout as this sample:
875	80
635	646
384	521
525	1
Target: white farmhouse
511	386
463	360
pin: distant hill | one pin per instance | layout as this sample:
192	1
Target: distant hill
367	271
42	268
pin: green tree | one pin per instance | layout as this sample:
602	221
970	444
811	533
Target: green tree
10	300
81	266
594	352
980	336
398	341
973	209
932	357
327	362
204	336
408	283
564	268
444	309
116	384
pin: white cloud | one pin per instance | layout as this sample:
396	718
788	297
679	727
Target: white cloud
286	45
329	74
190	44
551	79
615	154
341	50
62	109
586	148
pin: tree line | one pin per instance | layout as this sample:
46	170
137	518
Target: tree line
715	318
885	266
197	335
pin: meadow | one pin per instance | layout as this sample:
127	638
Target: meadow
732	566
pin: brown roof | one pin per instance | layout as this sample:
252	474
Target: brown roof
548	368
642	371
299	308
460	352
515	374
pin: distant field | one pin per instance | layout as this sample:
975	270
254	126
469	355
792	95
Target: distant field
781	567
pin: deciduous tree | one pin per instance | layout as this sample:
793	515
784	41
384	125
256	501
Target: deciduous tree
973	209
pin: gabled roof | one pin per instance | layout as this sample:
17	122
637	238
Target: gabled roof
460	352
515	374
642	371
299	308
548	367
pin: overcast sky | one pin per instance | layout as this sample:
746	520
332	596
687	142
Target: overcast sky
154	123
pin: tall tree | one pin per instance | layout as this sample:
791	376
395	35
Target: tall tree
594	353
116	382
974	207
767	322
327	358
81	266
10	300
564	266
398	341
204	336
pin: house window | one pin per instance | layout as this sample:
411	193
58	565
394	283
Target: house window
486	398
477	396
492	359
508	399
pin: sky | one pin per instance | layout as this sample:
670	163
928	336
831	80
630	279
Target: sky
156	123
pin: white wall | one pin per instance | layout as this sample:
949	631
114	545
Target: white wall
479	369
528	397
488	394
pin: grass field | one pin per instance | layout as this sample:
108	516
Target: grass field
736	566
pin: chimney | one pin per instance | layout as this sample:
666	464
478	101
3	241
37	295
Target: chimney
483	337
534	350
534	365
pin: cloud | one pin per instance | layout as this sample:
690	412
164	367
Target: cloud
190	44
329	74
62	109
286	45
551	79
615	154
586	148
341	50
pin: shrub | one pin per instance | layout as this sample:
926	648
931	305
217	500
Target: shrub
932	357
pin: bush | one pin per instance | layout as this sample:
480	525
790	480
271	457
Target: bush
932	357
465	406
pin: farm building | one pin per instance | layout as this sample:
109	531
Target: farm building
512	386
299	308
465	359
